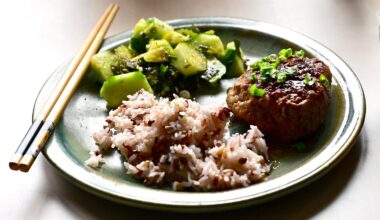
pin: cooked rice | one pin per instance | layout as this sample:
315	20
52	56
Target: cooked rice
95	159
182	143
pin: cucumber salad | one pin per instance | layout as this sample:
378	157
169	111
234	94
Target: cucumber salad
165	61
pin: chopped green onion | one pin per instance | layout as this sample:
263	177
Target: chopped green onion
273	73
271	58
282	77
325	82
268	61
257	64
264	65
263	79
275	63
300	146
266	70
299	53
309	80
254	91
285	53
252	76
268	66
291	70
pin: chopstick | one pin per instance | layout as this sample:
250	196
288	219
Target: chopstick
52	110
48	105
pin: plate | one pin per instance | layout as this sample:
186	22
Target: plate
71	142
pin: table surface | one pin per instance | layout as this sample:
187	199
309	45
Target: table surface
37	36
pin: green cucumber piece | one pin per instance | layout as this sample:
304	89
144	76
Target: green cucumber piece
139	27
123	52
138	44
215	71
116	88
187	32
153	28
175	38
233	60
188	60
155	44
209	32
156	28
211	44
139	39
101	64
159	51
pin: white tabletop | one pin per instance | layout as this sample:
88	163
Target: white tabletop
37	36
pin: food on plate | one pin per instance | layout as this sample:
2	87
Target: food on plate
286	96
115	88
182	143
233	59
172	61
187	145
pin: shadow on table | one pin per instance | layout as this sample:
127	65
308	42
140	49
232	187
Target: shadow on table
301	204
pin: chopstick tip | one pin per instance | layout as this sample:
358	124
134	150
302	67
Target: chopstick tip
26	163
14	163
14	166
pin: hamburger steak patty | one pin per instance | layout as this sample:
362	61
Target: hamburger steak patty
289	109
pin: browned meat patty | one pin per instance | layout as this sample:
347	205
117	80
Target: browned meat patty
288	110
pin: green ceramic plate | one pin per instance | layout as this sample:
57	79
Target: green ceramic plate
68	148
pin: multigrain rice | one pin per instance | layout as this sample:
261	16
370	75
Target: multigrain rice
182	143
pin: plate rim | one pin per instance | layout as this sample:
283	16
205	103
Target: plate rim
115	40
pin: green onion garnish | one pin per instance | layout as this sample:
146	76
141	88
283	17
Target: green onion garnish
252	76
291	70
263	79
299	53
256	65
268	66
325	82
281	77
273	73
309	80
285	53
265	66
271	58
254	91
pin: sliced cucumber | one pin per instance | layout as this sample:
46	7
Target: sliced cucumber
188	60
234	60
175	38
211	44
215	71
123	52
138	44
116	88
187	32
159	51
153	28
209	32
139	39
101	64
140	26
154	44
156	28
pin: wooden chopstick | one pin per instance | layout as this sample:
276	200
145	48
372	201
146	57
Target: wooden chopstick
48	105
51	112
63	100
